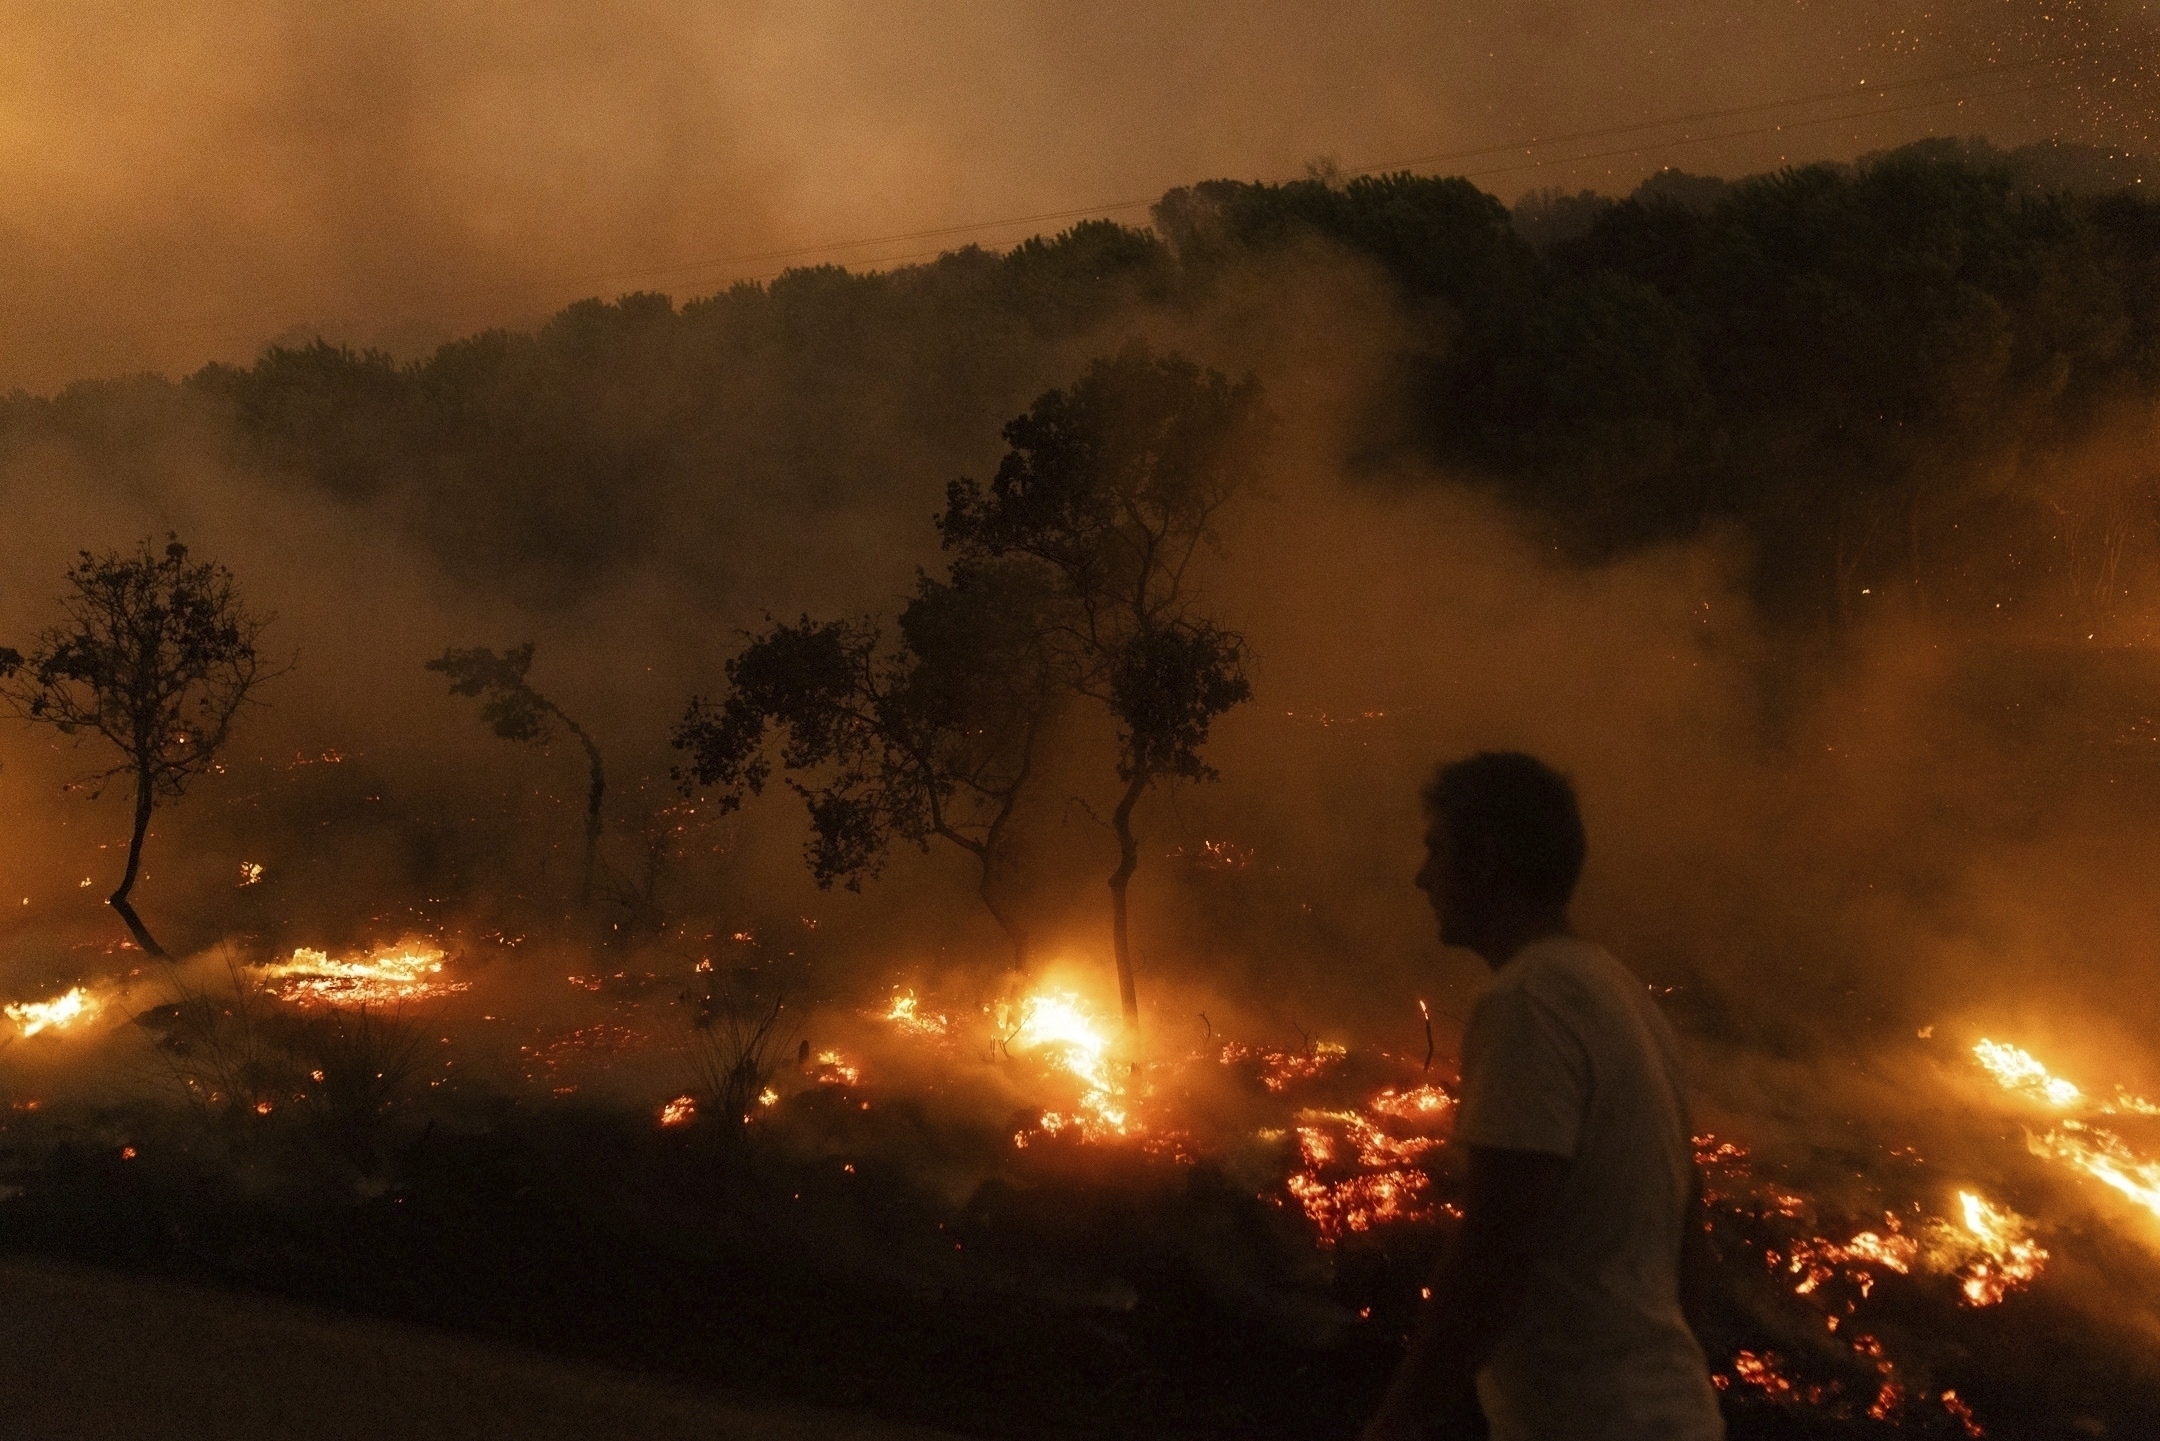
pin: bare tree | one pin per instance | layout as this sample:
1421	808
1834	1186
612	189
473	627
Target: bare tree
517	712
157	656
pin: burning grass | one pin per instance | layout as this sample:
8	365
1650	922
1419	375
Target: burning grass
388	975
1045	1158
73	1007
2097	1152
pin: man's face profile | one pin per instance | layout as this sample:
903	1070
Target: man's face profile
1442	882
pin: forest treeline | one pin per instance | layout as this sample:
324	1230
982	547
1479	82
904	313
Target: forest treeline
1927	379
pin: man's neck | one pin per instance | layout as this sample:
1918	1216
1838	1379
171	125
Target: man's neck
1511	935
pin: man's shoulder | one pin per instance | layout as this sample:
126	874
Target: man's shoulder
1558	960
1570	976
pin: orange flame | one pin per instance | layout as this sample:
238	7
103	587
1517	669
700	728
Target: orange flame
58	1014
390	974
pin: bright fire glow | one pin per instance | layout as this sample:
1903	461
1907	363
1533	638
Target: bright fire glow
1282	1069
408	971
2009	1256
680	1111
2016	1071
908	1015
2099	1153
57	1014
1419	1103
2103	1156
1359	1203
1059	1026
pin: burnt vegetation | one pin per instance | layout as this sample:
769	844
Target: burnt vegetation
1921	384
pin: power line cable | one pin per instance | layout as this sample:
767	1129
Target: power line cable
1119	206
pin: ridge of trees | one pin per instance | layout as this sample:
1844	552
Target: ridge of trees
1927	374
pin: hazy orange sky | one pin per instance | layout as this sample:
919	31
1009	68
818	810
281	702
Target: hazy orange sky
180	184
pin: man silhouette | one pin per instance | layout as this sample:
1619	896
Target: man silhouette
1556	1312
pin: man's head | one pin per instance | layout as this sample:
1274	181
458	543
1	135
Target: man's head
1504	847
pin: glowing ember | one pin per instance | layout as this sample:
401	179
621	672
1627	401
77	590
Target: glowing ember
1815	1260
58	1014
2009	1257
832	1070
1962	1413
1354	1175
1281	1069
2016	1071
1359	1203
907	1014
1764	1372
404	972
1419	1103
1374	1147
250	872
680	1111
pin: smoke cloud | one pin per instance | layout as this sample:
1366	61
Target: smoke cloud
186	186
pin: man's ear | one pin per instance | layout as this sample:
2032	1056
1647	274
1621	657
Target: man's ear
1481	862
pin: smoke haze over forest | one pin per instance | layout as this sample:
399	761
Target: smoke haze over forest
1784	473
1578	499
187	186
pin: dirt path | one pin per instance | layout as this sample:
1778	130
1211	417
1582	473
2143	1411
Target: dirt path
91	1354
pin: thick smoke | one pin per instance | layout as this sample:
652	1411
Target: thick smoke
186	186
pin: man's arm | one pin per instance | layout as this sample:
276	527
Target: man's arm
1477	1293
1698	1262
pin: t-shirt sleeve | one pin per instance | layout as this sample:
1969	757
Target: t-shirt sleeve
1525	1081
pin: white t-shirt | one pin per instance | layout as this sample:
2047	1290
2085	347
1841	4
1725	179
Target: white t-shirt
1566	1054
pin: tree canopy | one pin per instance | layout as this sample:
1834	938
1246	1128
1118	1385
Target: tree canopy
156	656
512	709
1871	370
932	736
1110	491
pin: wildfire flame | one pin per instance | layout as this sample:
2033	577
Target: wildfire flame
680	1111
2094	1150
57	1014
2103	1156
2016	1071
908	1015
2009	1257
404	972
1059	1026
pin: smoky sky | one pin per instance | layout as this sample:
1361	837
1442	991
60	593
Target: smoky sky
180	184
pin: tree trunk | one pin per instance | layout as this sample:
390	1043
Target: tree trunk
1128	862
1006	920
593	797
994	850
145	798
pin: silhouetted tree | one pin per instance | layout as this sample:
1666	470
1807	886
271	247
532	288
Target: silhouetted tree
1111	489
934	736
517	712
157	656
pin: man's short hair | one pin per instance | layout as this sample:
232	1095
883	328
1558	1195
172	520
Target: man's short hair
1524	808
